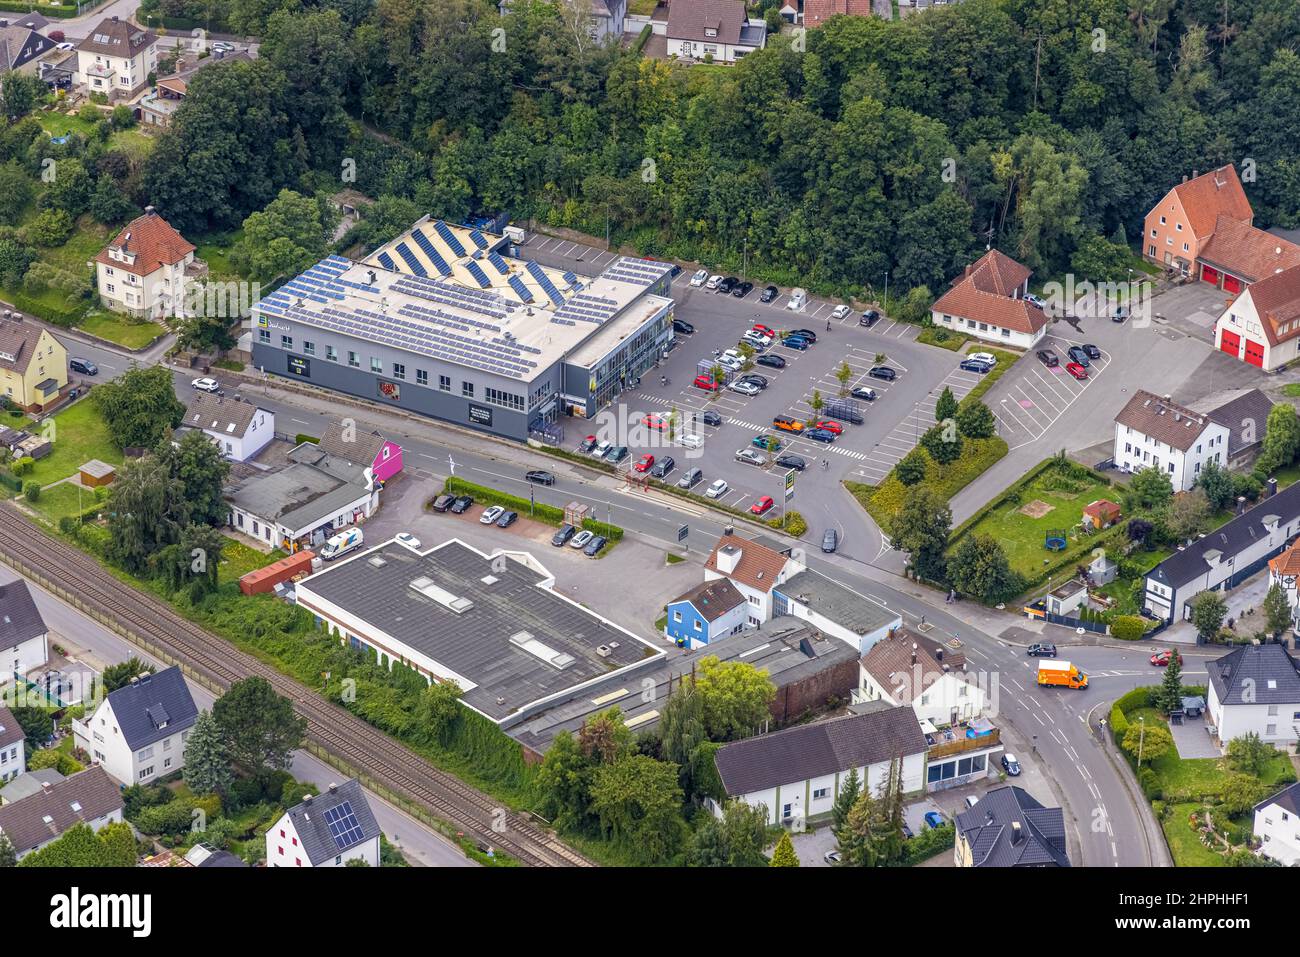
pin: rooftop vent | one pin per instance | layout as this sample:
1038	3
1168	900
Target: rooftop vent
604	651
489	579
377	561
446	599
524	641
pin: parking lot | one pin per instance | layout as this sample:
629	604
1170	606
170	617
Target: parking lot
1030	399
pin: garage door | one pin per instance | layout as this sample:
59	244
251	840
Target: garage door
1230	343
1210	274
1255	353
1231	284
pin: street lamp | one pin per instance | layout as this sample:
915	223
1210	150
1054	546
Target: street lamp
1142	734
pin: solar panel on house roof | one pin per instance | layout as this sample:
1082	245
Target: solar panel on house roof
448	237
479	239
571	278
518	285
405	252
344	826
544	281
500	264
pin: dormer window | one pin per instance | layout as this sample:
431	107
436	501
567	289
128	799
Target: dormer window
710	32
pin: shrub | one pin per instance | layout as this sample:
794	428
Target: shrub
1128	627
32	491
1150	784
793	523
300	438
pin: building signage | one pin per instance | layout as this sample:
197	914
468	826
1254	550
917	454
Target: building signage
789	485
300	366
389	390
480	415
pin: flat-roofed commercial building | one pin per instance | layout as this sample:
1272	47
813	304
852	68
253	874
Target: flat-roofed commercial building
441	321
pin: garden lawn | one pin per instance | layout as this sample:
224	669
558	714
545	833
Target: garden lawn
943	338
80	434
214	249
1184	843
132	335
62	500
238	559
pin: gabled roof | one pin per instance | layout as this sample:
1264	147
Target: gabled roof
155	242
688	21
989	829
1211	195
152	707
18	342
712	599
20	44
11	732
19	618
1243	250
1288	563
1244	413
1256	674
362	448
1102	508
114	37
890	661
1277	302
343	811
1165	421
41	818
758	567
214	413
984	292
1288	799
811	750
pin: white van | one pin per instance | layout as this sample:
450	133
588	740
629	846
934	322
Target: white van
342	543
798	299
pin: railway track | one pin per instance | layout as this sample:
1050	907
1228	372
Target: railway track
147	621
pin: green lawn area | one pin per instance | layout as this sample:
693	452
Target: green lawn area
80	434
132	335
882	502
238	559
214	249
943	338
1291	389
61	500
641	8
1184	843
132	141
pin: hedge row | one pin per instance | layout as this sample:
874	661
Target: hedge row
1005	362
54	13
60	316
551	514
1129	627
928	843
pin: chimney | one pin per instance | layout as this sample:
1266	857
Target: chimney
1195	173
1017	835
1241	505
334	788
45	785
135	679
150	211
728	559
1271	489
306	799
938	655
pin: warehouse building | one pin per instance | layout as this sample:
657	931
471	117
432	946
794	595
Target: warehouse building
443	322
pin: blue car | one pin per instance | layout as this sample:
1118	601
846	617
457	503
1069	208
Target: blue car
933	819
766	443
819	435
795	342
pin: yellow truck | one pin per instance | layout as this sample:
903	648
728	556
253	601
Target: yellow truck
1061	674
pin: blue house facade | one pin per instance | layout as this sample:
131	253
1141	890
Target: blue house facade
708	611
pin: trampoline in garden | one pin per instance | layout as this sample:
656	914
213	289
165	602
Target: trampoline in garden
1055	540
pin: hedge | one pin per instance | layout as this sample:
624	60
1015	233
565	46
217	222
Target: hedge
54	13
59	316
1128	627
928	843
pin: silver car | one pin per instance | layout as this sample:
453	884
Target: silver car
750	457
744	388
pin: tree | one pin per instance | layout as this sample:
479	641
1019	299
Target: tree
735	697
921	529
1208	611
844	801
735	840
439	711
50	228
8	856
1188	515
872	835
843	374
1249	754
79	846
946	406
604	738
108	204
259	727
120	675
975	420
1151	738
979	567
911	468
1169	696
943	442
682	730
207	762
1148	491
148	510
563	781
1277	610
286	237
783	854
1217	484
1240	793
197	463
139	406
20	93
15	192
1281	438
1138	531
637	801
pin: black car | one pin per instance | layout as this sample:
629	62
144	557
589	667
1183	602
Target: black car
863	393
804	334
772	362
595	545
1041	650
728	284
1121	313
443	502
975	365
461	505
1093	351
662	467
883	372
869	318
830	541
770	293
684	327
617	454
1078	355
1048	358
587	444
754	379
819	435
507	519
712	418
743	290
540	477
562	536
84	366
789	461
1011	765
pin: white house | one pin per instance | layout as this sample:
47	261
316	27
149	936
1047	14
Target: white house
1284	571
24	639
834	609
147	269
1262	325
327	830
13	755
1152	431
717	30
138	732
1277	825
988	302
240	429
910	669
797	773
89	797
1255	688
754	568
116	59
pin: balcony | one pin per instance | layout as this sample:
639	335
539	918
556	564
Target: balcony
962	738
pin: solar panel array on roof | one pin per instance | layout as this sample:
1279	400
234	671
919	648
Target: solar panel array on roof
477	272
588	308
479	239
487	303
544	281
448	237
386	261
435	257
500	264
404	251
571	278
643	272
518	285
344	826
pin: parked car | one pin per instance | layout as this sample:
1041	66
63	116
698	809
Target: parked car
830	540
974	365
1076	370
768	443
763	330
507	519
772	362
656	422
792	461
692	478
933	819
717	489
595	545
750	457
564	533
744	388
663	467
728	284
206	384
490	514
706	382
644	463
461	505
684	327
1041	649
787	424
700	278
769	293
742	290
1011	765
581	539
827	425
711	418
84	366
617	454
753	378
713	283
819	435
1161	659
833	858
689	440
986	357
443	502
1079	355
798	343
587	444
1092	351
869	318
757	341
882	372
602	449
798	299
539	477
863	393
841	312
1048	358
762	506
805	334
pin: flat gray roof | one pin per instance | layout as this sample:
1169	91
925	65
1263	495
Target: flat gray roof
837	602
517	643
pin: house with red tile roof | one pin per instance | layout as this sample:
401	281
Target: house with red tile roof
988	302
817	12
754	568
147	268
1284	570
1261	327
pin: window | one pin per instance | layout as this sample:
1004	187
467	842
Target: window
819	794
308	348
421	377
677	616
338	859
282	849
444	383
286	342
467	389
376	365
354	360
146	772
263	335
146	753
331	354
699	625
507	400
1162	222
1178	226
1270	730
399	370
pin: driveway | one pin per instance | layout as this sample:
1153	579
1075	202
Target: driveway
1193	740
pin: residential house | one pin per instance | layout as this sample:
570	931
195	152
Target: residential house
27	784
1285	572
1262	326
754	568
157	107
817	12
327	830
911	669
24	639
21	46
1244	413
988	302
1102	513
138	732
1008	828
147	269
13	753
1225	557
1152	431
796	774
116	59
605	18
368	449
834	609
1277	826
240	429
707	612
714	30
89	797
33	365
1255	688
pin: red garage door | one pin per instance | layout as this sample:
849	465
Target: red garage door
1231	284
1230	343
1254	353
1210	274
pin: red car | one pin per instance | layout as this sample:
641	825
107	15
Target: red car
1076	370
656	422
763	330
1161	658
644	463
706	382
833	427
762	506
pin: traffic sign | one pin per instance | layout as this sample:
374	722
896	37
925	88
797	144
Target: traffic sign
683	532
